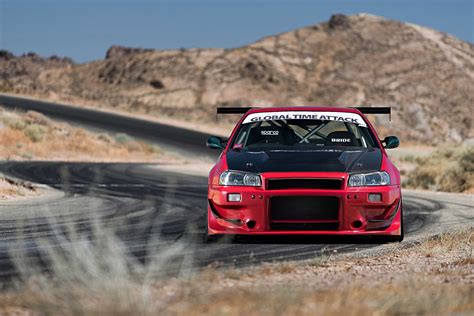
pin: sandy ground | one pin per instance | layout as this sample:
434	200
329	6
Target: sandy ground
16	189
405	278
33	136
432	276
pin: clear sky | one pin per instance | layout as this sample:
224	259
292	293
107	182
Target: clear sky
84	29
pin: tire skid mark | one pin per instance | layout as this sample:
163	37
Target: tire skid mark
143	205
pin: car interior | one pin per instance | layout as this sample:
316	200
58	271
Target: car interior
303	133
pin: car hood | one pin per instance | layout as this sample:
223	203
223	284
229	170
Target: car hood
317	160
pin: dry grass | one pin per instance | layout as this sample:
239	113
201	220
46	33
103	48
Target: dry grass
30	135
405	281
89	273
448	242
361	299
99	277
450	170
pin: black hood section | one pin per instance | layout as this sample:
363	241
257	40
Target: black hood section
317	160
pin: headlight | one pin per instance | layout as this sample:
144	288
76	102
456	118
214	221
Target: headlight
240	178
369	179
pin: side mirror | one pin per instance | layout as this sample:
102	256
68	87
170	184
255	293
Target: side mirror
215	142
391	142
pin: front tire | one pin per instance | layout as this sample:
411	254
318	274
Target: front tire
212	238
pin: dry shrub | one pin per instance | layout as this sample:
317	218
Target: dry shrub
6	86
96	276
33	117
34	124
461	240
286	267
36	132
91	273
464	261
105	137
450	170
13	120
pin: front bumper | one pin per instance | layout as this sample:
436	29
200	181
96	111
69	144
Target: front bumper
356	215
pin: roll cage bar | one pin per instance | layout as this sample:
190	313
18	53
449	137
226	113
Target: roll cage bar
303	138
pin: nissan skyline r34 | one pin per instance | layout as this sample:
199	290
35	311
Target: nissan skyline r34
304	170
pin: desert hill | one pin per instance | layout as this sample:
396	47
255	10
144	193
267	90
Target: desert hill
361	60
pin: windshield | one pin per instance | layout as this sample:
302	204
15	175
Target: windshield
305	133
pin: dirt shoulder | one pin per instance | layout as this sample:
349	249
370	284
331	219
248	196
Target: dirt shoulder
434	276
33	136
15	189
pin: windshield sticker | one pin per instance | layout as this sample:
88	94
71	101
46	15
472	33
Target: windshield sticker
340	140
270	133
306	115
314	151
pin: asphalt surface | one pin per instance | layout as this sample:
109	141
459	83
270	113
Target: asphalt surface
144	205
152	210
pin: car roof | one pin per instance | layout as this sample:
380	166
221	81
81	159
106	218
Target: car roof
304	108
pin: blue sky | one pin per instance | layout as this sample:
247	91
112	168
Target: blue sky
84	29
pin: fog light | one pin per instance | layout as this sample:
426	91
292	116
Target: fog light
375	197
233	197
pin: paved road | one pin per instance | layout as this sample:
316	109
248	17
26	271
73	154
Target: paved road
144	204
149	208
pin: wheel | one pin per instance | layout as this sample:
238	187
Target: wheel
212	238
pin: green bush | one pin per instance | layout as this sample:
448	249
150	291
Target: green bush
122	138
450	170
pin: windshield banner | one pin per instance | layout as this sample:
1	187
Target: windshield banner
306	115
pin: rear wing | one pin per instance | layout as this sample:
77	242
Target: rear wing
364	110
234	110
376	110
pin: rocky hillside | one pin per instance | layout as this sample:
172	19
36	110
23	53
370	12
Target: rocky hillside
26	68
426	76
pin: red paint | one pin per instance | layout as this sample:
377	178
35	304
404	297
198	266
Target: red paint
354	204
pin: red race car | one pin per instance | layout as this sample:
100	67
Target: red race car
304	170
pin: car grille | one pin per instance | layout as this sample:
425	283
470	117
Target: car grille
304	226
304	213
324	184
